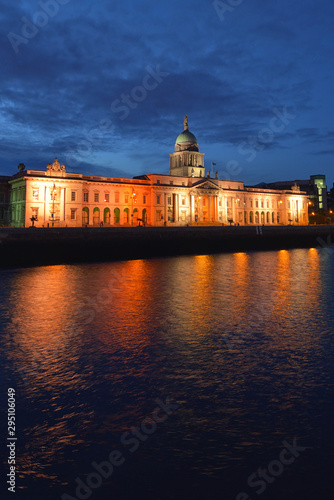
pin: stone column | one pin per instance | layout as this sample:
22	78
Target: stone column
174	207
209	209
165	209
216	209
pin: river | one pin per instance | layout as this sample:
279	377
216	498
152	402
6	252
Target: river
193	377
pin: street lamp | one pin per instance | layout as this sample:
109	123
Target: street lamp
132	202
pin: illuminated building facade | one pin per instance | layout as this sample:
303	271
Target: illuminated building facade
186	196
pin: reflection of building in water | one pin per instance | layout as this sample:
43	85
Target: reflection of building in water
186	196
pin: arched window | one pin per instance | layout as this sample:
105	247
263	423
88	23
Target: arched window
256	217
245	217
96	216
126	215
273	217
262	217
135	215
251	217
267	217
144	216
116	216
106	216
85	215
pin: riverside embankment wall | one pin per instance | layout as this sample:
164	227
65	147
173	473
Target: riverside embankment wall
42	246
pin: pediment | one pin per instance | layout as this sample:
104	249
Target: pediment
207	184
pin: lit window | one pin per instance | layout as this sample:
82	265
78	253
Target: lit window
35	194
144	199
116	197
73	196
73	214
85	197
96	197
106	197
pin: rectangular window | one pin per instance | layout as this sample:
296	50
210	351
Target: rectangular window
106	197
126	198
85	197
73	195
267	204
158	215
251	203
288	204
262	204
204	202
169	200
171	183
144	199
257	204
96	197
158	181
183	200
73	214
35	194
183	215
34	213
220	202
183	184
116	197
158	199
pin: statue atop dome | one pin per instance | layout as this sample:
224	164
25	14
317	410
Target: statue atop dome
185	122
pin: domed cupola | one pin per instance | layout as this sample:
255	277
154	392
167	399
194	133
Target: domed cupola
186	141
186	161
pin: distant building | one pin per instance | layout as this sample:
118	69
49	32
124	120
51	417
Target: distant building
315	187
186	196
4	201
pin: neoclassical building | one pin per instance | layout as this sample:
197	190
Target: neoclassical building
54	197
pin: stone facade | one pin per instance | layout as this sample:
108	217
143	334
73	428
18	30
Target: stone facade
57	198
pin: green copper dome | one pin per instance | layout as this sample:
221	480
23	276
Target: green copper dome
186	136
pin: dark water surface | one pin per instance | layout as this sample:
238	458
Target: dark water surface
239	347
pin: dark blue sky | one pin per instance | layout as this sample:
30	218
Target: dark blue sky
105	85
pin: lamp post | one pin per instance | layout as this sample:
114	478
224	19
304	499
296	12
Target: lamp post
132	203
